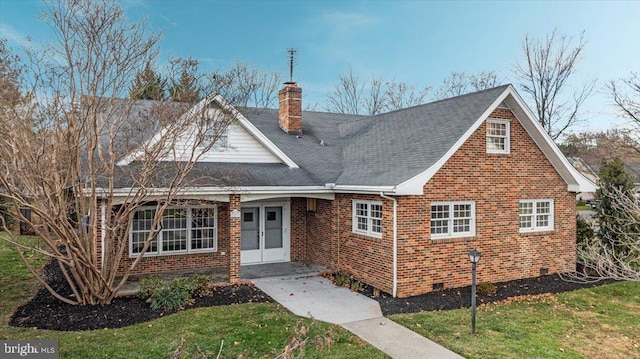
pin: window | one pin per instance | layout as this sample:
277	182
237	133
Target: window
222	141
536	215
367	218
184	230
453	219
498	136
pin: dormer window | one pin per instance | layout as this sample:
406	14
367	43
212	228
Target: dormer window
498	136
221	140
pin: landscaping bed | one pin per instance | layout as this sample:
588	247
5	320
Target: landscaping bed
44	311
455	298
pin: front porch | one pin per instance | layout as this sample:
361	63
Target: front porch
220	275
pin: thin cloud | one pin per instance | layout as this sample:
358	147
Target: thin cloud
11	34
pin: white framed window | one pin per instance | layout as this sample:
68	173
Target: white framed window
498	136
221	141
184	230
367	218
535	215
453	219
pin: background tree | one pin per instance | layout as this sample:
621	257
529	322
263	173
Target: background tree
185	80
549	65
64	147
148	85
613	180
460	83
245	86
626	97
351	95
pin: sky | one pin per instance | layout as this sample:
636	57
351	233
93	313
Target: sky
417	42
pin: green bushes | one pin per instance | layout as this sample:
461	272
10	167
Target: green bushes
172	295
486	288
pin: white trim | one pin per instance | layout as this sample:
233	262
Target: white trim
507	137
450	230
189	228
534	215
354	223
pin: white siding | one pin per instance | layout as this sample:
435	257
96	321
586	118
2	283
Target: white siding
243	148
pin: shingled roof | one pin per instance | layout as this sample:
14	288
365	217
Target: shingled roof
381	151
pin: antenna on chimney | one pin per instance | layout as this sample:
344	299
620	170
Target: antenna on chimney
292	54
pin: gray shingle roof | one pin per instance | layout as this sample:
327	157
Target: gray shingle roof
391	148
382	150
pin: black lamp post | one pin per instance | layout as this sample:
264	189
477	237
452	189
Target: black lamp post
474	258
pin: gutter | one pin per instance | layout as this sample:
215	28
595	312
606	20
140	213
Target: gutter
395	242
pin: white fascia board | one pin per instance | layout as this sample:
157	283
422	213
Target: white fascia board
261	197
415	185
253	130
361	189
576	182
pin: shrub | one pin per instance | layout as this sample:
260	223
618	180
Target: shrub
486	288
149	285
170	297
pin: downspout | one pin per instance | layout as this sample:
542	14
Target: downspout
103	208
395	242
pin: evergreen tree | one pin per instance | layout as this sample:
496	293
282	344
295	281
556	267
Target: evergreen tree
185	86
148	85
613	177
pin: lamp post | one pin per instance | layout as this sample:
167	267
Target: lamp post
474	258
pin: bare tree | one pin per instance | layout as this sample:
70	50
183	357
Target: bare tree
65	148
549	65
347	95
351	95
626	96
399	95
246	86
460	83
617	255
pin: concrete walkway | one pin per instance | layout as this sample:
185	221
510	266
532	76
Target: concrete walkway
316	297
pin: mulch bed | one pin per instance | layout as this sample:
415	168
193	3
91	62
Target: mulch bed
456	298
44	311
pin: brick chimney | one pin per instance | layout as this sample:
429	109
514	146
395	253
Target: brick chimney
291	108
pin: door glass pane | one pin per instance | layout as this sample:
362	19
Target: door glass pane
250	228
273	227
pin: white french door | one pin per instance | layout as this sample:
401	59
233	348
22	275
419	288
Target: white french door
264	233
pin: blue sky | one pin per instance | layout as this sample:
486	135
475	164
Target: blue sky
418	42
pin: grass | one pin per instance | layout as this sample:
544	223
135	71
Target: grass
600	322
248	330
584	208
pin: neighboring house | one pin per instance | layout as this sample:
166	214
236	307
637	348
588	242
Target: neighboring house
586	171
397	200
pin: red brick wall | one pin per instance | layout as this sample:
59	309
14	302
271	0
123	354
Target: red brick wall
298	229
496	183
321	232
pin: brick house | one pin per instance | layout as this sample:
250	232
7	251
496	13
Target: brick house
397	199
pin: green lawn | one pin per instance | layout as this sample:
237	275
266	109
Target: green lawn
584	208
248	330
600	322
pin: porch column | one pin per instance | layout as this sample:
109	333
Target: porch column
234	238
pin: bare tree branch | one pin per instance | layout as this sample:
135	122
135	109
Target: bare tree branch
549	65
